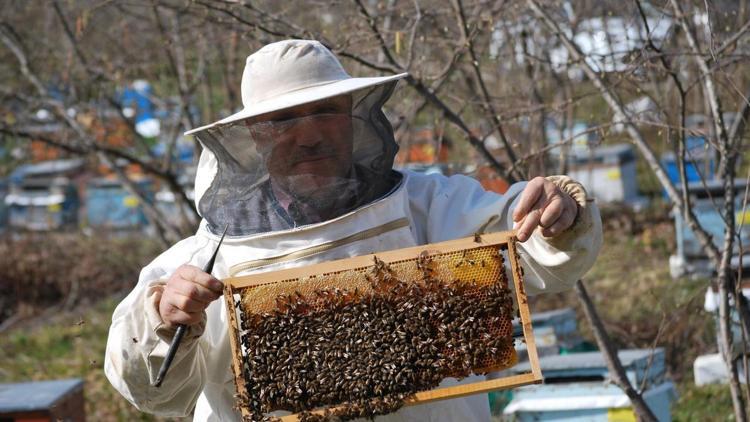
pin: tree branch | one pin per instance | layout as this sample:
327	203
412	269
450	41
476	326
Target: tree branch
615	104
452	116
151	212
725	278
512	172
616	370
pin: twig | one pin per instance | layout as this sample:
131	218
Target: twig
392	67
561	143
151	212
486	99
451	116
636	136
724	277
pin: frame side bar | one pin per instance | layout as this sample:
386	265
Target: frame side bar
523	309
234	342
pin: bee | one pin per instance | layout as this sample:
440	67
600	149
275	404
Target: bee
369	350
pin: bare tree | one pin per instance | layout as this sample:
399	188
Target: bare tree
721	141
493	74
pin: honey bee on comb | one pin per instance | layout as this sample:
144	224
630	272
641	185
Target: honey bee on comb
364	340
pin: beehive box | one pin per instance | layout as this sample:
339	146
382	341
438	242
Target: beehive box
42	401
366	335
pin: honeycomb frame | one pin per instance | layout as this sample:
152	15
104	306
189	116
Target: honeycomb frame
323	275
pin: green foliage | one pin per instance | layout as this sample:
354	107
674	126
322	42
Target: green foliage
706	403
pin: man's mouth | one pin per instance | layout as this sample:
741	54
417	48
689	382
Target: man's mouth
312	159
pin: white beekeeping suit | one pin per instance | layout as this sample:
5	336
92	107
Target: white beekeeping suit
273	223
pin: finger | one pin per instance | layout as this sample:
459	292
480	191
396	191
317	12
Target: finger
195	274
552	211
193	290
529	223
531	220
177	316
563	223
529	197
185	303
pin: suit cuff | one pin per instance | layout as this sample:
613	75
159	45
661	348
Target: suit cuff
159	327
583	221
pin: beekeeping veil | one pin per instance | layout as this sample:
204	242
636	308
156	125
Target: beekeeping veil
311	144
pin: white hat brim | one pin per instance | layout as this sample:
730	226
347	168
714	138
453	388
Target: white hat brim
302	96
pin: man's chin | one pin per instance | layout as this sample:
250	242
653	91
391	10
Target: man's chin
314	188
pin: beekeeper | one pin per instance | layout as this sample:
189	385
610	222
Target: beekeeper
303	174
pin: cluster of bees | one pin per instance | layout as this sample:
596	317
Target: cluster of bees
362	354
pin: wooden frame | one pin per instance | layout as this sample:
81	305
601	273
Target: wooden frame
499	239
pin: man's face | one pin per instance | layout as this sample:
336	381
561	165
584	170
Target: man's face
306	148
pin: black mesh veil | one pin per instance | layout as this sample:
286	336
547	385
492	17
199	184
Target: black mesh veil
263	183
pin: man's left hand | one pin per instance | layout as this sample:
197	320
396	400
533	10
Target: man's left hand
545	205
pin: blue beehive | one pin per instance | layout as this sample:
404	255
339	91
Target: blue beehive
707	200
555	332
43	196
42	204
109	205
578	387
699	162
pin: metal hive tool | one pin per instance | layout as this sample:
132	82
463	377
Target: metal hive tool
474	266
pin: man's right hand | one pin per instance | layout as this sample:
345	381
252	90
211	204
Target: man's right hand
187	294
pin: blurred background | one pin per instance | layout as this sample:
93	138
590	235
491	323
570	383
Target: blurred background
645	102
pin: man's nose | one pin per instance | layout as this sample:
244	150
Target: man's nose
306	134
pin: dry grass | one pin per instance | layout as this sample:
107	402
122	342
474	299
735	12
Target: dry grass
52	289
639	302
69	345
63	270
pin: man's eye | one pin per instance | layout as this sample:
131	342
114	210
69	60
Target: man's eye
327	110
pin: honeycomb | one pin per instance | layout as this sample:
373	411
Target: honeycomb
482	266
477	270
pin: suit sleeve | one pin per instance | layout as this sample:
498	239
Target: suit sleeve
138	340
445	208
